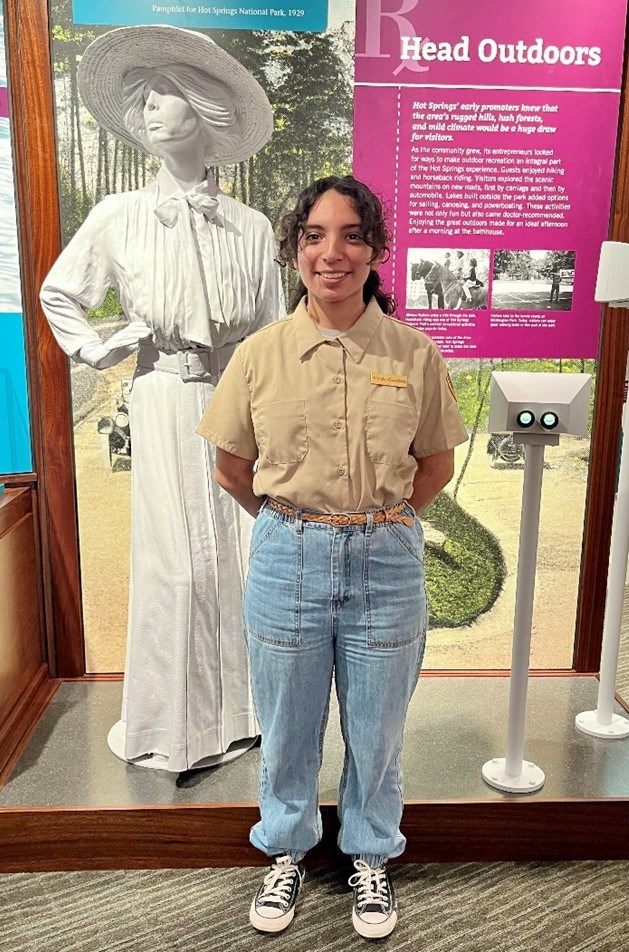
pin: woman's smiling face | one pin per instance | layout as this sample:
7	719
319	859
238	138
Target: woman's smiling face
333	258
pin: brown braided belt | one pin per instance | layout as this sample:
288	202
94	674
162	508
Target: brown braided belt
393	514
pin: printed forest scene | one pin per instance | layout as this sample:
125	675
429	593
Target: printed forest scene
471	530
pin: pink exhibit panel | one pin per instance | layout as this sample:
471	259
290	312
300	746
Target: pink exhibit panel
490	131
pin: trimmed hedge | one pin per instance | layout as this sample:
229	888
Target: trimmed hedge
465	575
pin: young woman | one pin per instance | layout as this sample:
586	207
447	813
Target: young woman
352	421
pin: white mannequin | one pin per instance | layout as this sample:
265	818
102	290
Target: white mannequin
195	273
175	132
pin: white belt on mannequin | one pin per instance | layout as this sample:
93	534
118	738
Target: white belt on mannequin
198	365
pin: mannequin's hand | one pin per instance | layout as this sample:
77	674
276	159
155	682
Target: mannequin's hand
119	346
128	336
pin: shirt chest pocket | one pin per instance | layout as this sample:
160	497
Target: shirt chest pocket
390	428
281	432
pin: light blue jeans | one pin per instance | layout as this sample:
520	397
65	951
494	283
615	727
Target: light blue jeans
350	599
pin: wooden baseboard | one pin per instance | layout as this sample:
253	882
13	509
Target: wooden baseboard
198	836
17	729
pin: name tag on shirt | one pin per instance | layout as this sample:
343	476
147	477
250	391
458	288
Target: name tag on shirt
389	380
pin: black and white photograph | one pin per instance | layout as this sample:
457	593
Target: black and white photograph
447	278
533	280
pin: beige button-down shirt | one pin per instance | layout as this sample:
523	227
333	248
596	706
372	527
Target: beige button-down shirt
335	424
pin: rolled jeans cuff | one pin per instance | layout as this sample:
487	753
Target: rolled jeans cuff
371	859
295	855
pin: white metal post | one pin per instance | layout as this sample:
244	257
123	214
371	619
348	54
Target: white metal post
603	722
512	773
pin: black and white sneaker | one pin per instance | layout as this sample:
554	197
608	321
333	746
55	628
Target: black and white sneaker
374	914
274	905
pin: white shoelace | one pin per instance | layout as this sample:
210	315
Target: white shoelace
278	881
370	883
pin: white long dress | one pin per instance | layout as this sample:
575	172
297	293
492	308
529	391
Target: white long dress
195	282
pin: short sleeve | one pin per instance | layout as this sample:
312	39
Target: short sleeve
227	421
440	425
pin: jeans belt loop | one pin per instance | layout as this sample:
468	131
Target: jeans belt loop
369	526
299	522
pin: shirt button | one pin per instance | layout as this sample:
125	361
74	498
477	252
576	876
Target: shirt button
337	379
341	470
338	424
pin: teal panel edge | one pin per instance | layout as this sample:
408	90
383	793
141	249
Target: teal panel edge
311	16
15	430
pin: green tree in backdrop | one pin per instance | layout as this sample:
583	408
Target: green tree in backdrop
307	77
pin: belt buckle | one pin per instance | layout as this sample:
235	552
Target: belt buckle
337	516
186	370
191	366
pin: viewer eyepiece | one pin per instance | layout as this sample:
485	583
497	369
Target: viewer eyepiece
549	420
525	418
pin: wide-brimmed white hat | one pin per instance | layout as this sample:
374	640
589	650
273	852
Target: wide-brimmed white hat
107	60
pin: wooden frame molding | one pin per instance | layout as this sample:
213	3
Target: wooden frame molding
605	448
31	103
199	836
18	729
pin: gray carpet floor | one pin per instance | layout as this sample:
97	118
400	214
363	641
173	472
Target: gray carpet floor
494	907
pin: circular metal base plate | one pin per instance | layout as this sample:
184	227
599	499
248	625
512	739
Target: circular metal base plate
588	723
531	778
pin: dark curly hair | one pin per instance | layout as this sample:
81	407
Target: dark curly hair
374	227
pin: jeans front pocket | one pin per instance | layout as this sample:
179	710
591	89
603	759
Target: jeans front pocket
272	609
395	590
411	538
263	530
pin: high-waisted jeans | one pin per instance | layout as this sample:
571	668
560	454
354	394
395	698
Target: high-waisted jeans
319	599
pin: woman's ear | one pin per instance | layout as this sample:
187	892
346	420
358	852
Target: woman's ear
381	258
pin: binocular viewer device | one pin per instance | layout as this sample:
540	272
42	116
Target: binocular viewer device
539	403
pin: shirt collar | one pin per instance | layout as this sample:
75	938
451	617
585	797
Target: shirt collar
355	340
168	187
